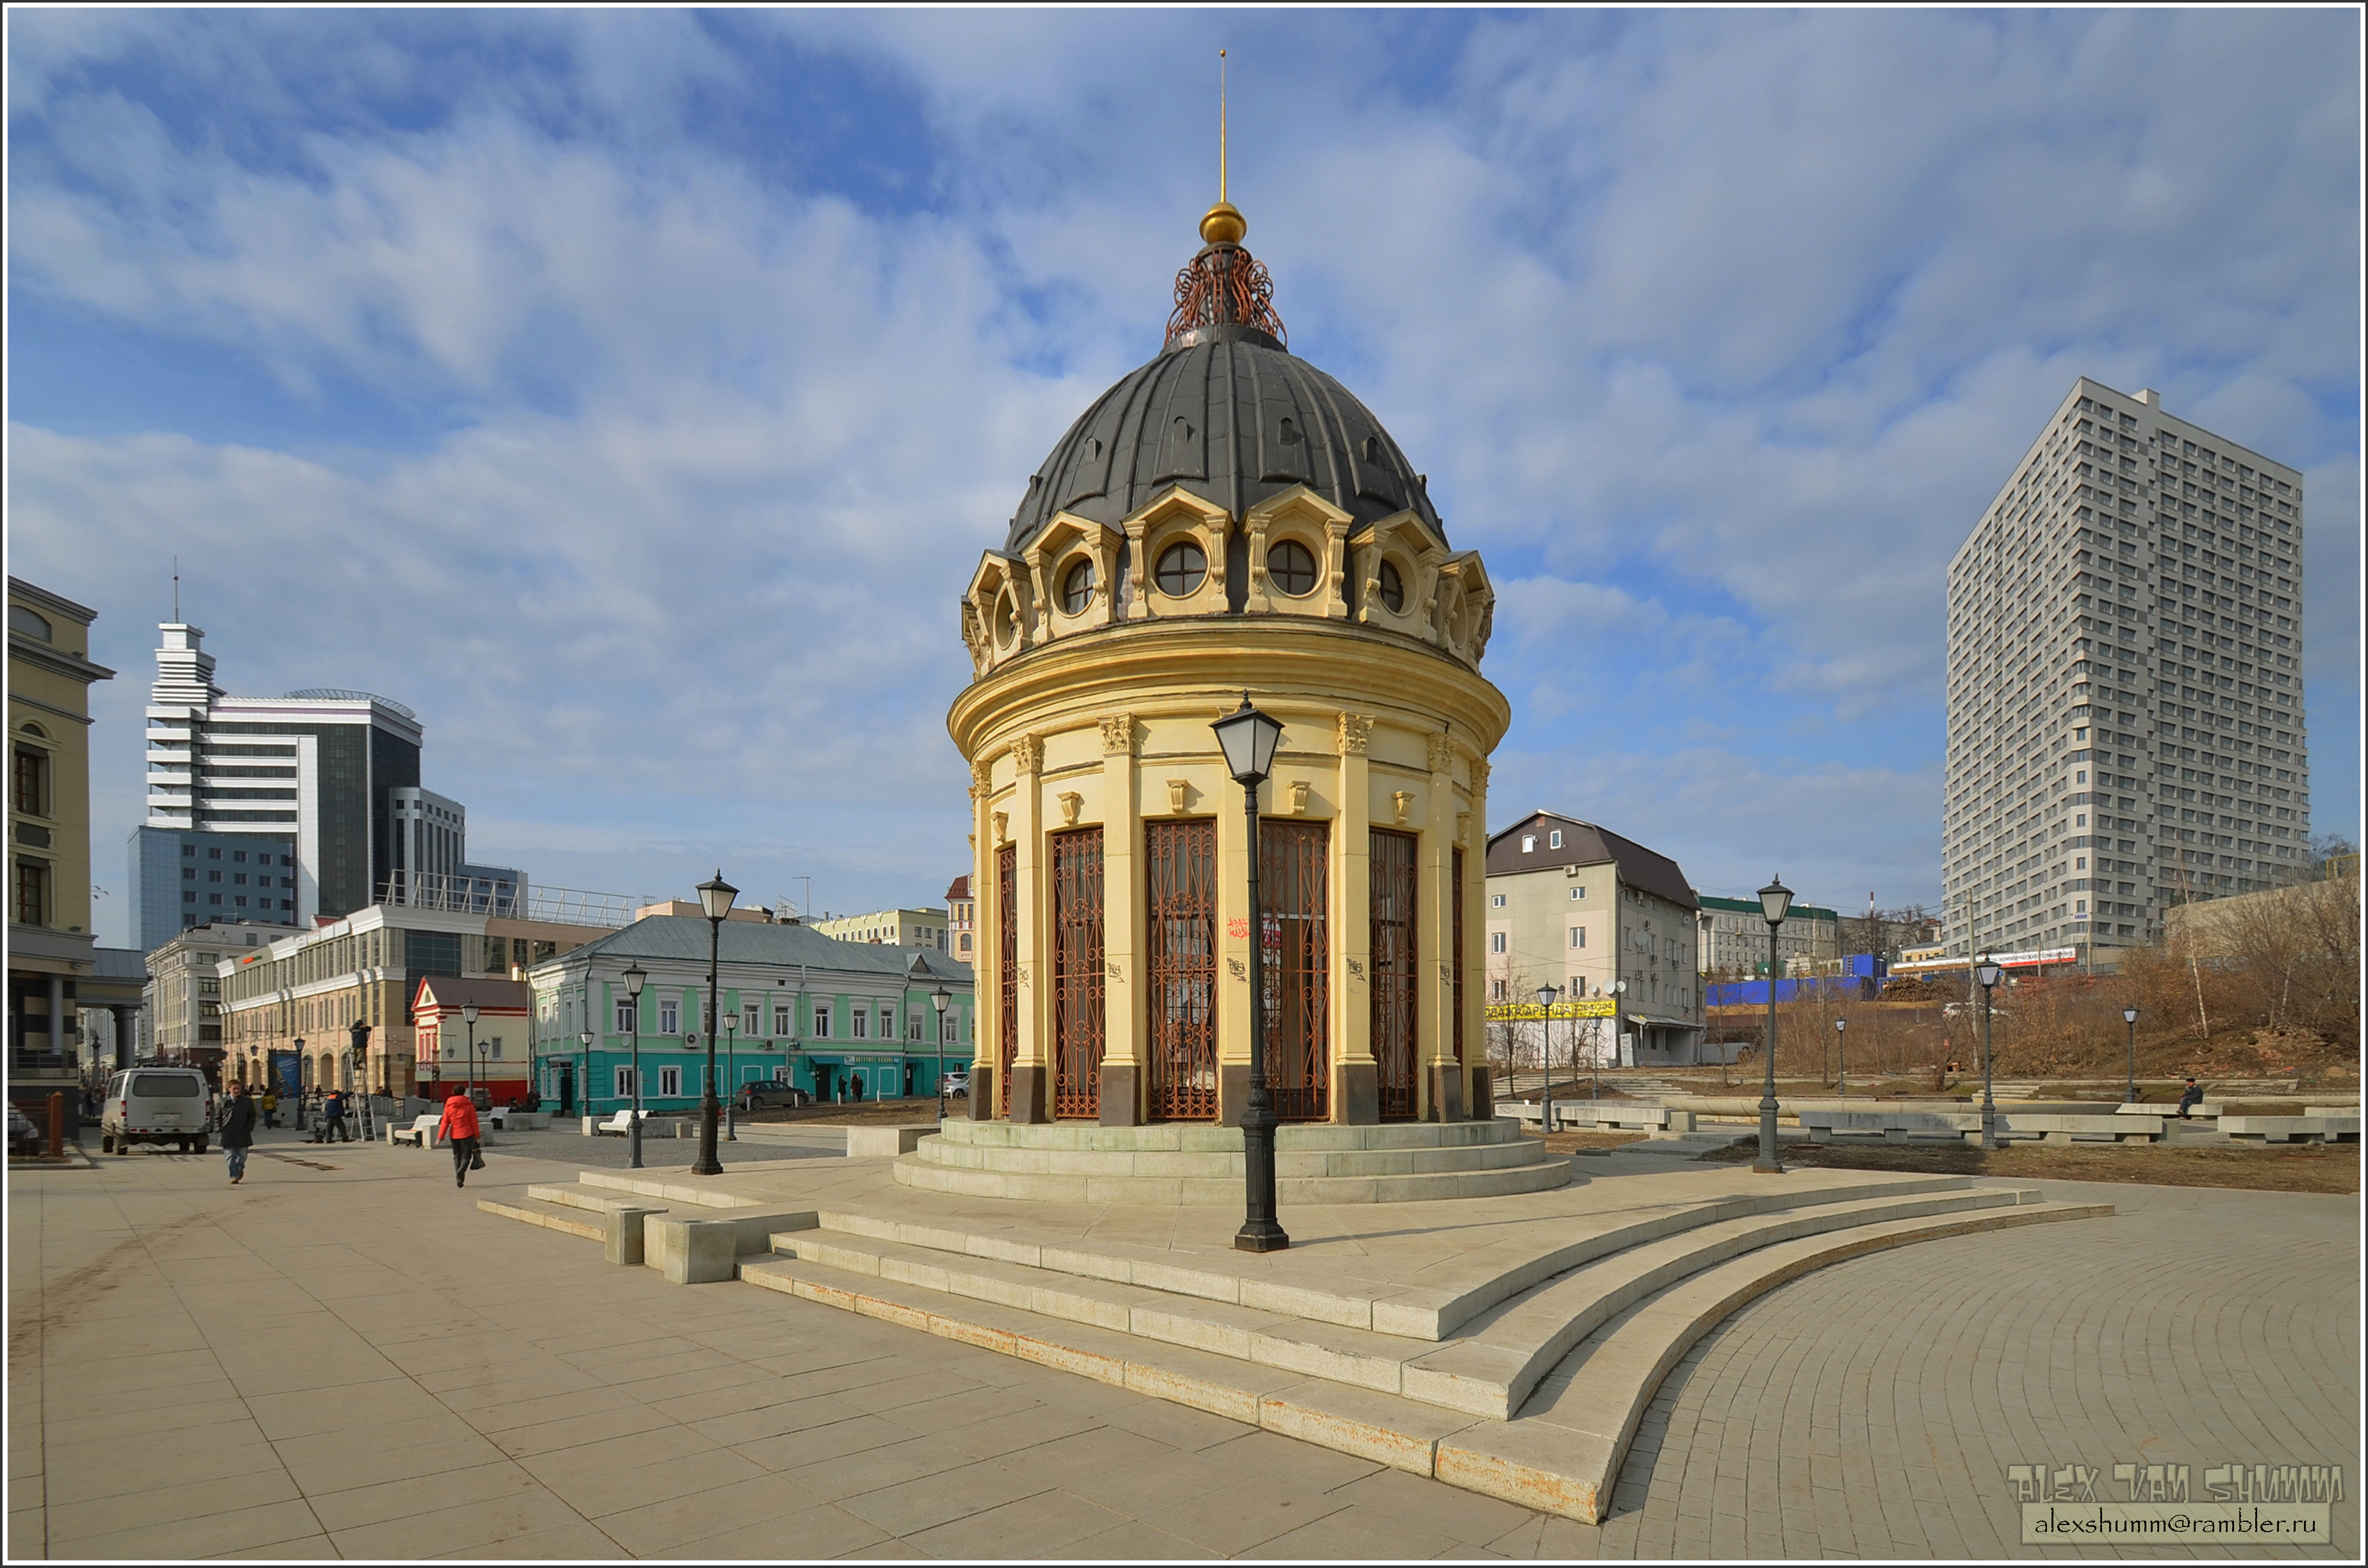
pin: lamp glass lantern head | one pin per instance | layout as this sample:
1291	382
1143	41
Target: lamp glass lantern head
715	895
2129	1015
1775	902
1547	995
1987	971
469	1011
1840	1023
586	1037
940	998
634	978
1247	738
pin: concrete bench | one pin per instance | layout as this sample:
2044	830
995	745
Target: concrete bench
1602	1115
2116	1128
2203	1111
419	1134
873	1143
506	1117
2287	1129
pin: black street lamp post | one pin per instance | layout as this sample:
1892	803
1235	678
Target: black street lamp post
715	897
731	1076
633	979
1841	1058
1986	973
469	1016
1547	995
2130	1017
1248	738
1775	903
939	999
361	1033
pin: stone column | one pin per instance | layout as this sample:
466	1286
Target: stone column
126	1023
1122	928
57	1016
1356	1079
1479	1091
1441	1081
1031	1068
985	1021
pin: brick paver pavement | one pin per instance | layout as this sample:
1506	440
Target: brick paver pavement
354	1361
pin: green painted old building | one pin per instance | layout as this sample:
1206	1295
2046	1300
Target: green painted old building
850	1020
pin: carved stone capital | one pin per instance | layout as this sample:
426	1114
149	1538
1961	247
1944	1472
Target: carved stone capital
1355	732
1027	753
1480	771
1118	734
1442	753
981	780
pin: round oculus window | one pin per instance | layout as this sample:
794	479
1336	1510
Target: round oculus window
1290	568
1183	567
1078	588
1393	589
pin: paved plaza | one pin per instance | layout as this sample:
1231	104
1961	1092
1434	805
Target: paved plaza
355	1361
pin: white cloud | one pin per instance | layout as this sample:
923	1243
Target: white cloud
1715	331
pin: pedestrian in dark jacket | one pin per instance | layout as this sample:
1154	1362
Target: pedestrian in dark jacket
237	1132
460	1125
2189	1100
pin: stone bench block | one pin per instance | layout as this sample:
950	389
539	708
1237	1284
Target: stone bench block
874	1143
693	1252
2287	1128
622	1230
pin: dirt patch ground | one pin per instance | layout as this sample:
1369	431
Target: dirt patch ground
2305	1168
1571	1143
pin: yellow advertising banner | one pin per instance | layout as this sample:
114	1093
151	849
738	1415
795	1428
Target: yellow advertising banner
1587	1008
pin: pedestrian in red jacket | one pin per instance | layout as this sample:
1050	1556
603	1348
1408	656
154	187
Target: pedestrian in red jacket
460	1125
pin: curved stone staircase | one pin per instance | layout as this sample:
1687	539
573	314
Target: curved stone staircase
1201	1164
1509	1347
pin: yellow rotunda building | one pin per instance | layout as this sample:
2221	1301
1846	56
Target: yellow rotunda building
1228	520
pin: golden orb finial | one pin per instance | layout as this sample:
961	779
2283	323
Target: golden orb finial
1224	225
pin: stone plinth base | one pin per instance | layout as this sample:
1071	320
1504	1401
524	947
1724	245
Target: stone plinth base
1201	1162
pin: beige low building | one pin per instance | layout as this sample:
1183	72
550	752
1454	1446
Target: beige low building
891	929
1580	908
301	995
183	993
1227	521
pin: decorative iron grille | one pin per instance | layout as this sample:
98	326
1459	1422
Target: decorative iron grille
1078	972
1180	866
1006	966
1394	981
1224	285
1296	942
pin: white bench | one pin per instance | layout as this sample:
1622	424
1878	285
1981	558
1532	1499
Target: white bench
2342	1129
419	1134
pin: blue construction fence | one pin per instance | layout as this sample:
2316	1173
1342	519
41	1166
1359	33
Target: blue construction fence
1861	981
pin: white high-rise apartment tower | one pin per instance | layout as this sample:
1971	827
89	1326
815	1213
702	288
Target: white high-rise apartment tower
2125	699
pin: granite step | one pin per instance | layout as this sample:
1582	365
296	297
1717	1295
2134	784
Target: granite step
1563	1450
566	1219
1323	1291
914	1170
1487	1369
1553	1456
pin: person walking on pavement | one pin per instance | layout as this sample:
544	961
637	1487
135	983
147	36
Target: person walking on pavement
2189	1100
460	1125
237	1131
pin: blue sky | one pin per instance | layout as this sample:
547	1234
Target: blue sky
632	393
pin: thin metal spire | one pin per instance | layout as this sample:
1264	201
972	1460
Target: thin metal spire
176	590
1220	126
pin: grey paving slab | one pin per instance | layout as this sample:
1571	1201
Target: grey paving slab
368	1366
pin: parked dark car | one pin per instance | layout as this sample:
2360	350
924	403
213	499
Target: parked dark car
755	1096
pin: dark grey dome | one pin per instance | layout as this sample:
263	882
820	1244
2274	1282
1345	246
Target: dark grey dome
1231	416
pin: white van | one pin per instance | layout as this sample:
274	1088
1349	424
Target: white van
156	1105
